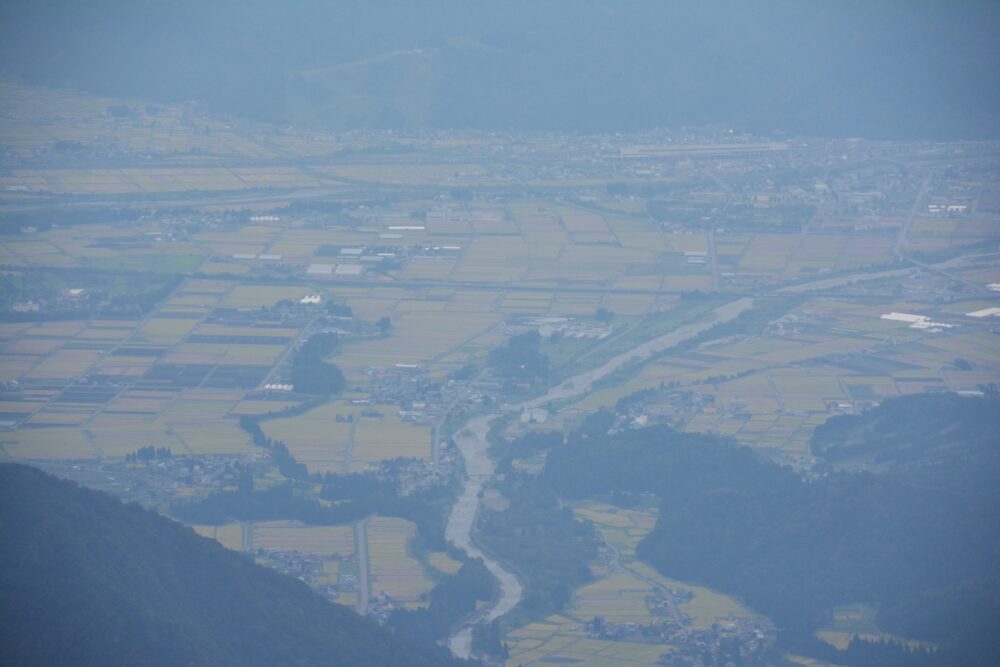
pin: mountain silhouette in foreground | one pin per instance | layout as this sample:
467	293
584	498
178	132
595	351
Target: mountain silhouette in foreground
88	580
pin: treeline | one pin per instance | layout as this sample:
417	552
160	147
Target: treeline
536	535
106	293
451	600
354	495
283	459
870	653
48	217
528	445
750	321
311	374
671	464
794	548
339	309
912	429
287	501
520	359
149	453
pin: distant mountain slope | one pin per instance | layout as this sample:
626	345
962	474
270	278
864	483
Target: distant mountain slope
887	69
391	90
87	580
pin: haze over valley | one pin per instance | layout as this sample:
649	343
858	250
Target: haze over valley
522	334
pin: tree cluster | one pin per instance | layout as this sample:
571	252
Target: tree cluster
542	540
148	453
310	373
520	358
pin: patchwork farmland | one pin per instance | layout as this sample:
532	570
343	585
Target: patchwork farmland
278	337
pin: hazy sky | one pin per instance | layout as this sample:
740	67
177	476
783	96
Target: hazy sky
880	69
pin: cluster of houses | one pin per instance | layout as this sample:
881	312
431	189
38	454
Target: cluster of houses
730	640
158	482
689	646
424	400
307	568
65	300
381	606
411	475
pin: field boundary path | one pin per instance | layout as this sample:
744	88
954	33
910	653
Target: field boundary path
361	546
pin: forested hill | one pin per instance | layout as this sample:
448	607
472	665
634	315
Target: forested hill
919	539
87	580
917	429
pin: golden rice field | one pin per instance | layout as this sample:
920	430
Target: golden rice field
393	571
230	535
619	596
443	563
316	438
295	536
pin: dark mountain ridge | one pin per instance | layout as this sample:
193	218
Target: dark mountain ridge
88	580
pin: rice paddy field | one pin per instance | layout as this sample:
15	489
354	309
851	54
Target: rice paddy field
394	574
230	535
828	356
561	640
459	250
393	571
477	264
318	438
334	546
173	379
443	563
387	437
520	260
294	536
35	117
621	592
336	437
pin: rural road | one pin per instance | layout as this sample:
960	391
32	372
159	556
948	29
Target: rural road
904	229
960	262
843	281
471	439
361	541
615	564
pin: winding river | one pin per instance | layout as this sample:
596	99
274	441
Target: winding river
479	467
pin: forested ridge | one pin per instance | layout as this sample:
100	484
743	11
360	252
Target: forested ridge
88	580
919	539
913	429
